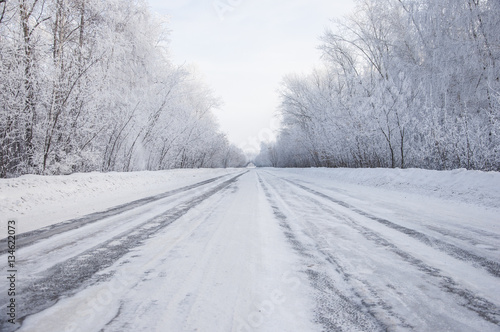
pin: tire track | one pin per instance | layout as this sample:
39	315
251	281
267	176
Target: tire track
490	266
466	298
29	238
65	278
335	311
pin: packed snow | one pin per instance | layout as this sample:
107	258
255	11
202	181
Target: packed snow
37	201
461	185
258	250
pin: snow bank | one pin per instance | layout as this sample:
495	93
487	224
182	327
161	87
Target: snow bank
475	187
36	201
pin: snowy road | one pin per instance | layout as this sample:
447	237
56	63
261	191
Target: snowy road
264	250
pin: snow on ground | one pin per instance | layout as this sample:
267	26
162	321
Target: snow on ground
224	266
455	204
476	187
259	250
401	261
36	201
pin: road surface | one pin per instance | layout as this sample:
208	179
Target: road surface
260	250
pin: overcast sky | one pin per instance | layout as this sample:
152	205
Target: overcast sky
243	48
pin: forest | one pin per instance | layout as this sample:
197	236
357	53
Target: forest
405	83
89	85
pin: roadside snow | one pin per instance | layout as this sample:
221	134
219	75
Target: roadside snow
225	265
274	250
474	187
36	201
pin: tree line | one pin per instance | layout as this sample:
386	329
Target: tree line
406	83
88	85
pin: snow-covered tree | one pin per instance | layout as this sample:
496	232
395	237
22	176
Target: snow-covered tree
408	83
89	85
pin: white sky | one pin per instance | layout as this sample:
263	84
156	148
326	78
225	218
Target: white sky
243	48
